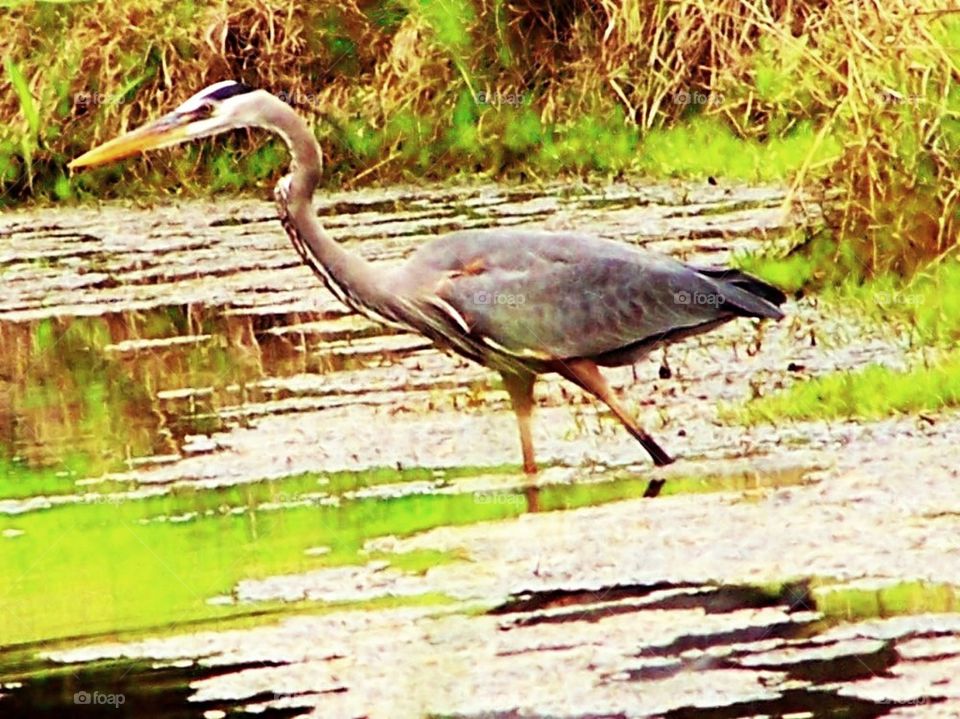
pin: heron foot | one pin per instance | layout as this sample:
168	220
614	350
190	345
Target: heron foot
657	454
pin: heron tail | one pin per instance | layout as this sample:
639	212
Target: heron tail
745	294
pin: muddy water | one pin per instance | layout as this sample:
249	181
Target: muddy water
222	493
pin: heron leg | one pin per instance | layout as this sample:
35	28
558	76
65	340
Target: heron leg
520	388
587	375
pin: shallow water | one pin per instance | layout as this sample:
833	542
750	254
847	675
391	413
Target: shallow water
198	444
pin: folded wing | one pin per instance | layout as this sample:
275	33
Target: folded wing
557	296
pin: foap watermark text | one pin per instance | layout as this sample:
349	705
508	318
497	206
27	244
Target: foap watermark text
497	498
685	297
482	297
696	97
96	698
500	98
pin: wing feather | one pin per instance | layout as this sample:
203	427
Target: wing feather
558	296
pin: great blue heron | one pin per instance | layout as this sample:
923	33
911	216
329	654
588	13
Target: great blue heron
522	302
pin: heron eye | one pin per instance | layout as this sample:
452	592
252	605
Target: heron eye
205	109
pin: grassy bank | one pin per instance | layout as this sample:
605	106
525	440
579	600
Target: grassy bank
924	310
871	393
397	90
854	99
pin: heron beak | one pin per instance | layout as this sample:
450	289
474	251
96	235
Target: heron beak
168	130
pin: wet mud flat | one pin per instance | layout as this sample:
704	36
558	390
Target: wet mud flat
270	507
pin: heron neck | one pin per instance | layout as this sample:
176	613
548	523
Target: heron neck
350	278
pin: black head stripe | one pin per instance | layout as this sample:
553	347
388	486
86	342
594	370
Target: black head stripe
222	93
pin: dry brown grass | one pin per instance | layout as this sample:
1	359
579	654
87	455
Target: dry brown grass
880	76
898	107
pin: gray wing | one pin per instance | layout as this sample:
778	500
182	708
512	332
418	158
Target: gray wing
557	296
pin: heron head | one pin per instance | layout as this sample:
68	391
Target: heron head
218	108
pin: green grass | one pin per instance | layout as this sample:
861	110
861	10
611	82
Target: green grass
871	393
701	147
927	304
815	261
924	310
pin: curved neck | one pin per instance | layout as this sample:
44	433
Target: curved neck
350	278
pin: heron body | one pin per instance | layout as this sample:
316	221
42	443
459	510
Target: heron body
521	302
